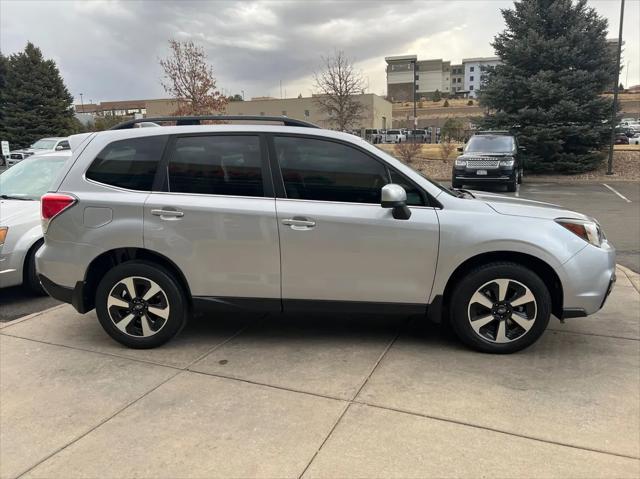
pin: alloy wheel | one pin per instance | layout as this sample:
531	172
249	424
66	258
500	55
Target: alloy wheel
138	306
502	310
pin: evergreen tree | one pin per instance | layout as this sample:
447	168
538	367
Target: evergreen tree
35	101
548	89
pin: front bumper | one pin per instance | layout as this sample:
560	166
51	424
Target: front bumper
588	279
470	175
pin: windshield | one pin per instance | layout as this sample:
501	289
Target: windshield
44	145
31	178
393	132
490	144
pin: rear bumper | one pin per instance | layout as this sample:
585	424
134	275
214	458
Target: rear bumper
74	296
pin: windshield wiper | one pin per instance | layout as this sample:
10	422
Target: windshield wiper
459	192
10	197
467	192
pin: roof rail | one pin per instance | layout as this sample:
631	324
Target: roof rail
195	120
492	132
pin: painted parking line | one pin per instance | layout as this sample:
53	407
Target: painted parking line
617	192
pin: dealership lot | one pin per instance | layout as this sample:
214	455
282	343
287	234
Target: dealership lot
319	396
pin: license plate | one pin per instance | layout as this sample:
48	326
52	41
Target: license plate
481	172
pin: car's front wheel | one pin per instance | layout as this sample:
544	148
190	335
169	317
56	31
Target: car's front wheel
141	305
500	308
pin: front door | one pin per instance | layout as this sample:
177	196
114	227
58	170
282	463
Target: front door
216	220
337	243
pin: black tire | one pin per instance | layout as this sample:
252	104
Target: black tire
520	178
31	280
171	296
461	306
513	184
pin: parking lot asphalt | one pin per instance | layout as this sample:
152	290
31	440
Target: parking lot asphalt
320	396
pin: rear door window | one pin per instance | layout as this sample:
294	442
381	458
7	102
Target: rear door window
129	164
216	165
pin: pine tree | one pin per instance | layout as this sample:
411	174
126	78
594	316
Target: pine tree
35	101
548	89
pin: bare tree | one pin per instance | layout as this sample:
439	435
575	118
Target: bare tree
188	77
407	151
337	86
446	148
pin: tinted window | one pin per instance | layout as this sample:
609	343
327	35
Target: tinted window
129	163
328	171
491	144
216	165
414	196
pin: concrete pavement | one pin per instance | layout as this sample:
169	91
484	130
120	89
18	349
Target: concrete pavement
313	396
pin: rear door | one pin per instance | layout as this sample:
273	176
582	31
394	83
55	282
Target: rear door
216	220
337	243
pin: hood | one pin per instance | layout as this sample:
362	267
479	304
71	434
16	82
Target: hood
507	205
481	154
14	212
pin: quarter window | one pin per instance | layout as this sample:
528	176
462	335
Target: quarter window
323	170
216	165
129	164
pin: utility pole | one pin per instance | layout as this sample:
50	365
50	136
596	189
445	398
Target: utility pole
242	91
415	117
81	102
615	93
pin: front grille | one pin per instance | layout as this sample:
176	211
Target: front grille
483	163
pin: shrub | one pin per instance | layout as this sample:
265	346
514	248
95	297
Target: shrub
407	151
470	103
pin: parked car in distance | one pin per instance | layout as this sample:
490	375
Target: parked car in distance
373	135
44	145
147	225
418	136
394	136
621	139
20	226
488	158
635	140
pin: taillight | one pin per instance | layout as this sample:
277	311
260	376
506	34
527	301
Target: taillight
52	204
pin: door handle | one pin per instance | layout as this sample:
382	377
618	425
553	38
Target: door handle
172	213
299	223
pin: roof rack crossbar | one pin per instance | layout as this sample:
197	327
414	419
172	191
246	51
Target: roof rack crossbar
195	120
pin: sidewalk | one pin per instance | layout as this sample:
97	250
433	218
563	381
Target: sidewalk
320	396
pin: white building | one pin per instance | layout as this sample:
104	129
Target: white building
475	70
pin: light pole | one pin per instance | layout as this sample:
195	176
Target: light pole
81	102
626	81
415	118
615	93
242	91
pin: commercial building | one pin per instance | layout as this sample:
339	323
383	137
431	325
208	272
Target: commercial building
463	79
475	73
376	112
428	75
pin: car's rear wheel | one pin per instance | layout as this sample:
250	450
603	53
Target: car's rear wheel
140	305
500	308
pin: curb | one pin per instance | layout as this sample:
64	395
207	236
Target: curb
632	275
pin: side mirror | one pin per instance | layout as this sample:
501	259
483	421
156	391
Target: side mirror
460	149
59	147
394	196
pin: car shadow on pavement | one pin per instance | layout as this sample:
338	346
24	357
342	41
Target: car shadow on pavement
18	301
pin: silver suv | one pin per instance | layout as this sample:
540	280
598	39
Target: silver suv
148	225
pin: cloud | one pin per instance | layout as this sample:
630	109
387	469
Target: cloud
109	49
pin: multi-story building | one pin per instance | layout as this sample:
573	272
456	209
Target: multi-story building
430	75
475	73
457	79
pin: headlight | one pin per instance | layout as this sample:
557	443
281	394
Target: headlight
461	162
3	234
587	230
507	162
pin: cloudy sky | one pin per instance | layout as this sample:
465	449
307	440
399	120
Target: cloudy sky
109	50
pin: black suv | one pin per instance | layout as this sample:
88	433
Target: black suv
489	157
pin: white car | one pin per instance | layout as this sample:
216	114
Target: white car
635	140
20	227
395	136
44	145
